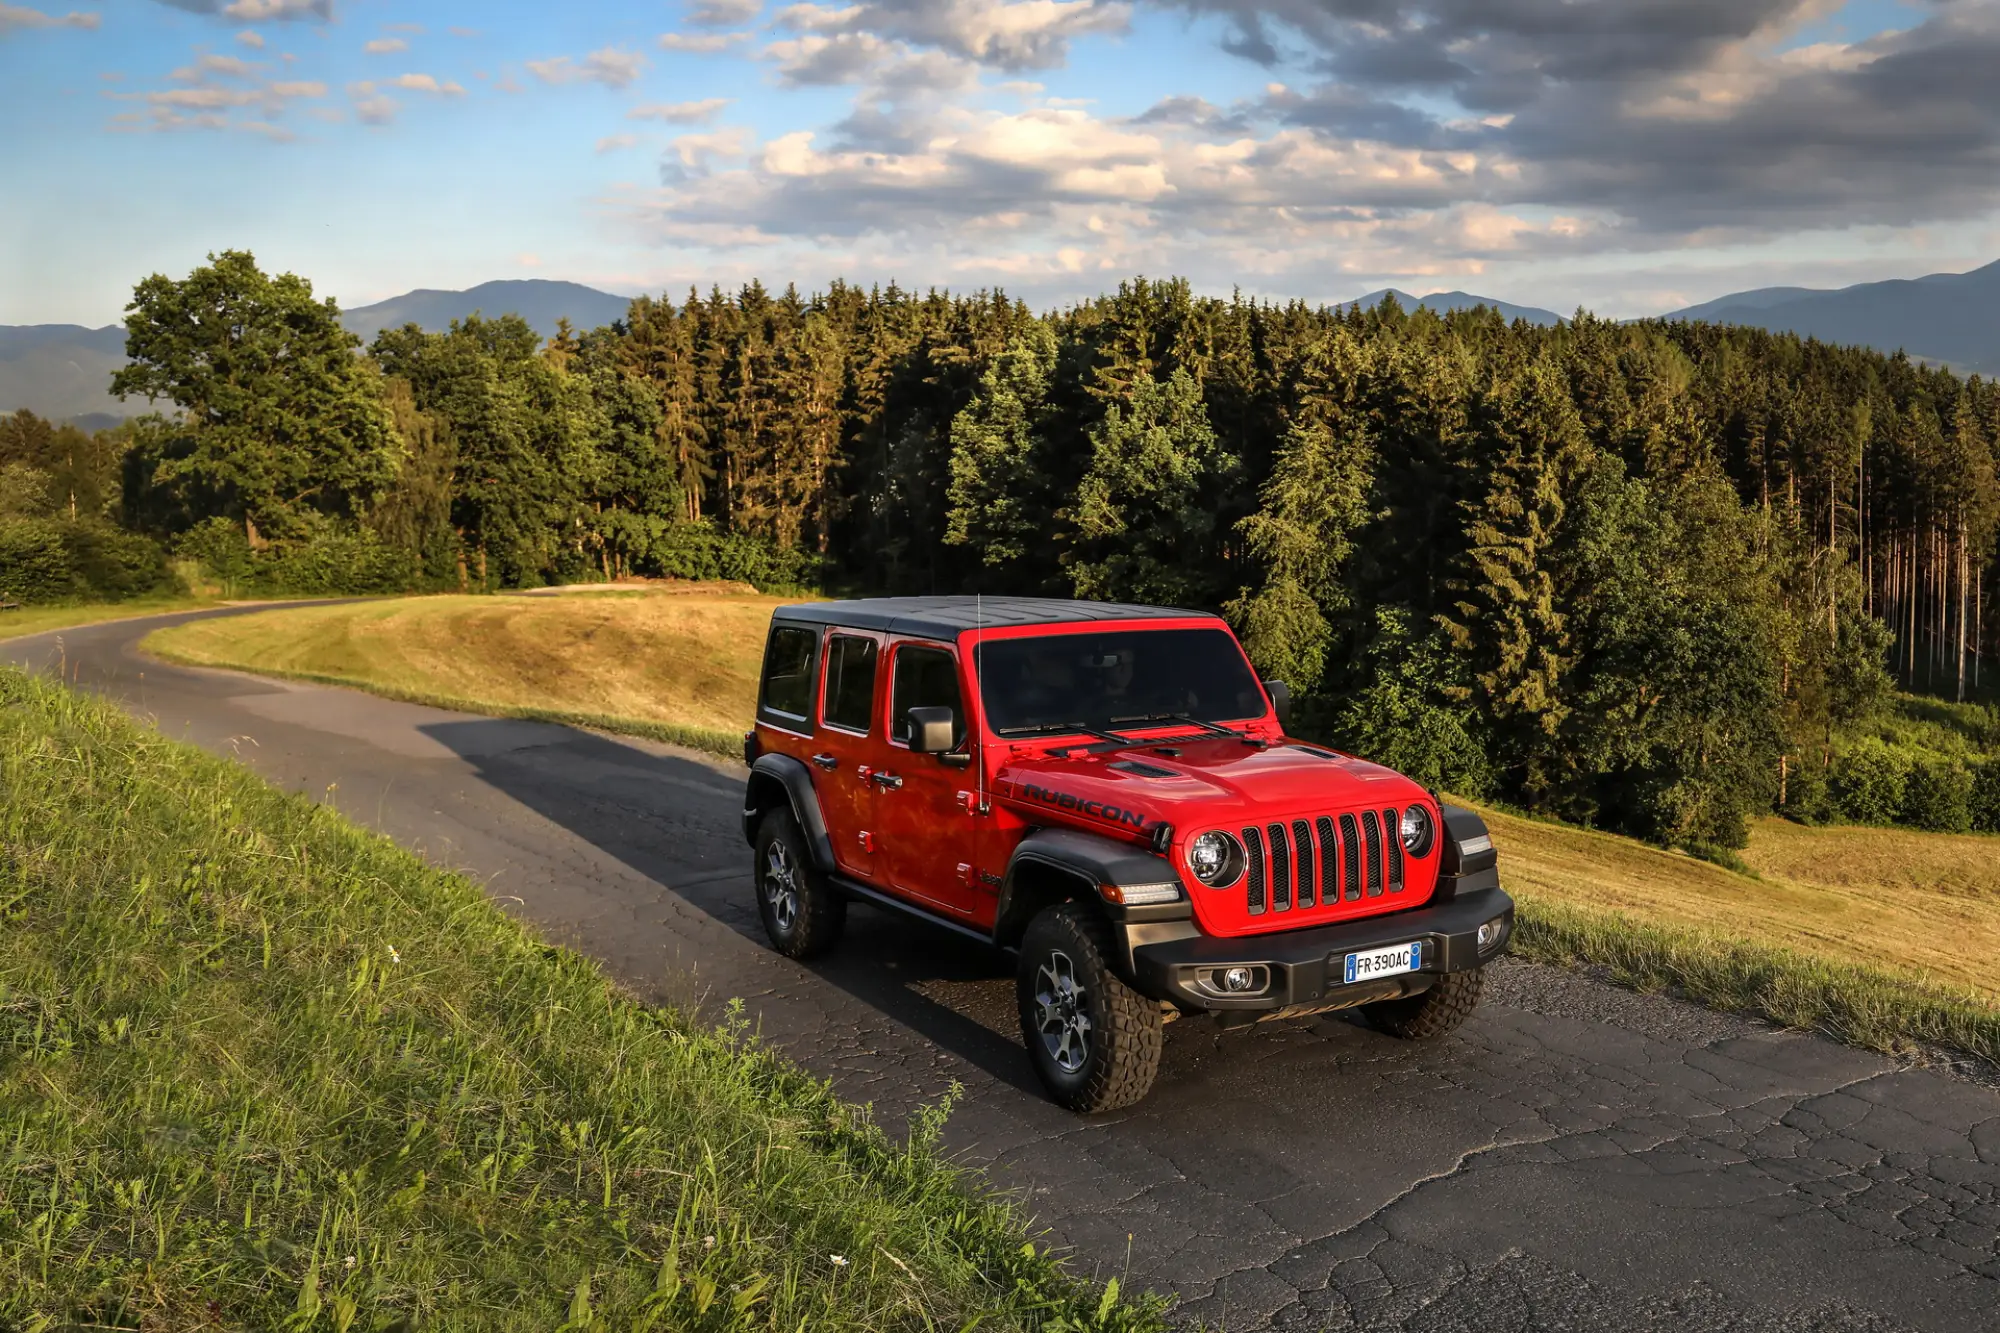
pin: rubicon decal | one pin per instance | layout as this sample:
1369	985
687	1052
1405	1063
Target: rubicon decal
1063	800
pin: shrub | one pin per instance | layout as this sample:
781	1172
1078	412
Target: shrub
340	565
698	551
1808	793
1869	781
113	562
1938	796
1985	802
34	563
220	548
58	559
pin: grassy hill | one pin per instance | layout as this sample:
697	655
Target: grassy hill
1917	913
261	1069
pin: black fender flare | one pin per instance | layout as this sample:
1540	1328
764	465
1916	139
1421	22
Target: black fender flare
1051	864
779	779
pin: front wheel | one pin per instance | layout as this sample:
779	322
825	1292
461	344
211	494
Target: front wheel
1094	1041
1437	1012
802	913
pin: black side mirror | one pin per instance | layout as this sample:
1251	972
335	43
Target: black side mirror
930	729
1281	700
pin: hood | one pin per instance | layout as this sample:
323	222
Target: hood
1191	784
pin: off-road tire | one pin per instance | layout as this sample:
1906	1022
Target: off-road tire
806	919
1437	1012
1122	1047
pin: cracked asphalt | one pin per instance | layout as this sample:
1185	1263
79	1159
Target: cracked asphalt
1577	1158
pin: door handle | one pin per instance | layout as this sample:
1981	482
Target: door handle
888	780
826	761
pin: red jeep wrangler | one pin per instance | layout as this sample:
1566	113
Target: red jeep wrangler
1106	791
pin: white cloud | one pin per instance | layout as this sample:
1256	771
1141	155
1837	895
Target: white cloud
18	16
701	43
228	66
259	11
610	66
382	46
696	152
251	39
375	109
1008	34
722	13
425	83
680	113
611	143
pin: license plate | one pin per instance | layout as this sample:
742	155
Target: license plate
1373	963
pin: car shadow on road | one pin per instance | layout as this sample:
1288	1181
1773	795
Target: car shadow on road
677	822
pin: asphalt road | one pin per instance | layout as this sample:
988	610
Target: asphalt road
1577	1158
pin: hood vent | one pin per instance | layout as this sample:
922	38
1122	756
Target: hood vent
1142	770
1315	751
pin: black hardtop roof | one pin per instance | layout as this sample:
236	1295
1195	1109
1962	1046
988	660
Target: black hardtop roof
948	617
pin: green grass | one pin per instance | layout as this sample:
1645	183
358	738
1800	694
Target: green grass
1863	1006
261	1069
41	619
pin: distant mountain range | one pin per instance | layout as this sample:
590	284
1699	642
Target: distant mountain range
1950	318
536	300
62	370
1445	302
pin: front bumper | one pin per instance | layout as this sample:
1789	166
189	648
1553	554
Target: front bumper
1305	967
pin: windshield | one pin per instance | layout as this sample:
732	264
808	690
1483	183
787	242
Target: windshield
1120	678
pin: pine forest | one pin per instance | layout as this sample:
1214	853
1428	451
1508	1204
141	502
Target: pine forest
1656	577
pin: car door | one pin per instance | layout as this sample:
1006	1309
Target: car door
847	747
927	830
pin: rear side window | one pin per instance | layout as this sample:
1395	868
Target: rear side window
925	677
850	682
788	673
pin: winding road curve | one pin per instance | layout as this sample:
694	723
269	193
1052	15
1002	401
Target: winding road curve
1578	1158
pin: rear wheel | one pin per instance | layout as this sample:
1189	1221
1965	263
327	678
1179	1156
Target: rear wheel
1094	1041
802	913
1437	1012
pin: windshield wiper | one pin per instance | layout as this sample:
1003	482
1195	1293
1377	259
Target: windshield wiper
1182	718
1053	728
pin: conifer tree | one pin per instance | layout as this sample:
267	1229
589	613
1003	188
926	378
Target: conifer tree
1000	500
1313	504
1508	619
1143	516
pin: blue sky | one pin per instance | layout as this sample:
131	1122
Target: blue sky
1627	155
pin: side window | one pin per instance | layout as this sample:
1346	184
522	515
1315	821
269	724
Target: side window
925	677
850	683
788	674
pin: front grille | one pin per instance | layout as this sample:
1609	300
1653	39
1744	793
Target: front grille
1322	861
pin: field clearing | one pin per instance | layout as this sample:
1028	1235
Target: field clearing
1917	913
675	663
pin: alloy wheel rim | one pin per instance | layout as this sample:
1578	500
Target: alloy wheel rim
781	887
1062	1014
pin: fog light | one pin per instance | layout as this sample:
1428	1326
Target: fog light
1492	933
1237	979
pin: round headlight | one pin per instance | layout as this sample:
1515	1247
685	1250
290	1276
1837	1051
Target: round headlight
1216	859
1416	830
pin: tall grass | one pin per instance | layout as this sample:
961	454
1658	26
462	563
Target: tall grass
261	1069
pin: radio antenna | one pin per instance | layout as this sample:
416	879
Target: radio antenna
978	647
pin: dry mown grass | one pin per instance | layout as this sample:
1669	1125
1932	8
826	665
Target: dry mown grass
676	665
1923	903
